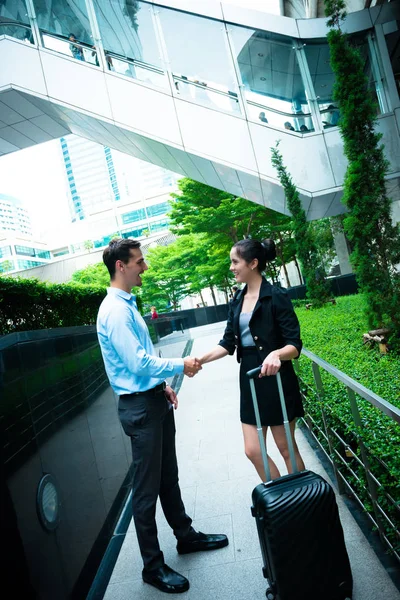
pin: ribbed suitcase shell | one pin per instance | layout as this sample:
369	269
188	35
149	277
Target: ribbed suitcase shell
301	538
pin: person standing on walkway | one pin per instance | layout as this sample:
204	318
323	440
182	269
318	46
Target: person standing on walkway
137	375
263	329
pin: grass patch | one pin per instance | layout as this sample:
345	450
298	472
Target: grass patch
334	333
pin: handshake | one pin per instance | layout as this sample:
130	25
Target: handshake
191	366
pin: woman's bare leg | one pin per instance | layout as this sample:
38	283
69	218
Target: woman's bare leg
278	431
253	451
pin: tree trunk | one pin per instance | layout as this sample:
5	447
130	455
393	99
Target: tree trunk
202	299
283	262
213	295
298	270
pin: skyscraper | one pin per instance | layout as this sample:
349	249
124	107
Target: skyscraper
91	177
18	249
14	218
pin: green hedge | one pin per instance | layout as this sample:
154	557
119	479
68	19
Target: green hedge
334	333
27	304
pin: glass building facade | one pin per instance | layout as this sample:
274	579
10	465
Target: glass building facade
91	178
265	77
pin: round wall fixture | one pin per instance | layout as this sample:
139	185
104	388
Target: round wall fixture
48	502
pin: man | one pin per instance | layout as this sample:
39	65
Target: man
137	376
76	49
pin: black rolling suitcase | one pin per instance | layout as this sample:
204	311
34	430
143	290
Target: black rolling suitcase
301	537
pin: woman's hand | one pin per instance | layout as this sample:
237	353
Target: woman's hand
271	364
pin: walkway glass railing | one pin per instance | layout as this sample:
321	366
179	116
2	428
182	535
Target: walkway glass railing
131	67
77	50
267	77
205	94
359	432
17	30
299	122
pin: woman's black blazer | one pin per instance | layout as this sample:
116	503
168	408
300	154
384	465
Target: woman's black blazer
273	323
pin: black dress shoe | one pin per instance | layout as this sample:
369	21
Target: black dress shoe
202	541
166	579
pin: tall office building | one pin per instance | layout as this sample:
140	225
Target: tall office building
18	249
111	193
91	178
14	218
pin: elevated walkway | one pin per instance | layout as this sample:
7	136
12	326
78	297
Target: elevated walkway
208	102
217	480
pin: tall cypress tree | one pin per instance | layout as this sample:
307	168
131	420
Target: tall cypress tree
368	223
306	249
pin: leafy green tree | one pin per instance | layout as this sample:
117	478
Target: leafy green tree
225	219
88	245
166	282
200	208
92	275
6	266
312	265
368	224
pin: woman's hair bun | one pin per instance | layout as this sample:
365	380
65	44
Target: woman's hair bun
270	249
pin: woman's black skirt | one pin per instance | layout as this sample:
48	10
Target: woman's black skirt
267	392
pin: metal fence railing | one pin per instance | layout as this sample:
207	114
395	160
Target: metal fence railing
359	432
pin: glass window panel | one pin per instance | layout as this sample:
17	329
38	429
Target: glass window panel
158	209
200	61
393	46
14	20
270	73
5	251
134	215
65	28
159	225
323	78
129	40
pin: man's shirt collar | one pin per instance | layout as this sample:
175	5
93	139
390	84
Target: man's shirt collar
113	291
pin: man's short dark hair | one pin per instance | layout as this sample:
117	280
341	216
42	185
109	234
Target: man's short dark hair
118	249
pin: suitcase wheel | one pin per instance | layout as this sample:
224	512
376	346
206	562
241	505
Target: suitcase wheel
270	594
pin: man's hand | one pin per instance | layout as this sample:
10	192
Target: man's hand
271	365
191	366
171	396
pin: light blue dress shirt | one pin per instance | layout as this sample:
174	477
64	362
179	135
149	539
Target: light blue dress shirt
128	352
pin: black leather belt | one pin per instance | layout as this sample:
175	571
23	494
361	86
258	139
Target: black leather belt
159	389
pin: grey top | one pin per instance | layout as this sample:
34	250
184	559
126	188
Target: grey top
245	335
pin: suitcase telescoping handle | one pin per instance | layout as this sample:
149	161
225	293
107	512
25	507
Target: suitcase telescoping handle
251	375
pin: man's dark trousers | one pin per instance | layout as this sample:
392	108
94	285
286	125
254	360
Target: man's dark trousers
148	419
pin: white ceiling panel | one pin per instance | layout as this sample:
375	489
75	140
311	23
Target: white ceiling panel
186	164
49	125
228	174
15	137
6	147
8	115
30	130
234	189
248	181
20	104
208	171
253	196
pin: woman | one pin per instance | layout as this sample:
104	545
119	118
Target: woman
263	329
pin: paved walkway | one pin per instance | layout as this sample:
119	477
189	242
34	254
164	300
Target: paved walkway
217	480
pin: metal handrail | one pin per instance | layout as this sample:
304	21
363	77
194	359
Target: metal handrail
5	23
348	452
205	86
277	111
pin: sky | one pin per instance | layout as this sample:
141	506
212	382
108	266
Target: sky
35	176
